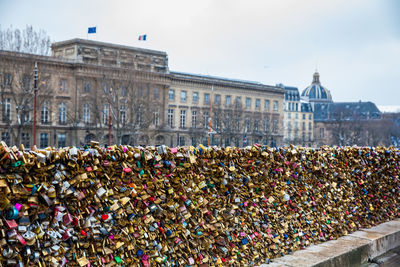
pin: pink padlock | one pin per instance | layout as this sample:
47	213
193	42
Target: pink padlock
66	235
67	219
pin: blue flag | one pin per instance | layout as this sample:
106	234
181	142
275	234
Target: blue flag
92	30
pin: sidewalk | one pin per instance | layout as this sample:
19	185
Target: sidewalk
352	250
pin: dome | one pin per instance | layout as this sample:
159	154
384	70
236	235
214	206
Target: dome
316	92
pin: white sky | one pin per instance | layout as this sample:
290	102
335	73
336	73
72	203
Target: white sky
355	44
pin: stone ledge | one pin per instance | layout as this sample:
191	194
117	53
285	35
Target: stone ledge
352	250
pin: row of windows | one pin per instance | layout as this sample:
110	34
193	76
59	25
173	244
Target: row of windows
296	126
296	136
44	112
43	139
297	116
217	123
182	141
228	100
28	84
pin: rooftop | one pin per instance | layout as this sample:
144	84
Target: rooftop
108	45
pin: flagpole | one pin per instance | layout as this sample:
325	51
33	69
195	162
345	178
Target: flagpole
210	121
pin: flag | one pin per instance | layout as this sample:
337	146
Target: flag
92	30
245	139
142	37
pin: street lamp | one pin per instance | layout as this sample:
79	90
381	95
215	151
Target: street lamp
35	89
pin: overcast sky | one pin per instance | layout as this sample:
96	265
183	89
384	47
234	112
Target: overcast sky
355	44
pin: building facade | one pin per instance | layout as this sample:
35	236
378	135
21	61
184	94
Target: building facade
298	118
88	89
342	123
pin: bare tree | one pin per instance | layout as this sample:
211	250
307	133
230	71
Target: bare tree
27	40
16	97
133	105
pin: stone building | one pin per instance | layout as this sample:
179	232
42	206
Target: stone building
298	118
341	123
85	83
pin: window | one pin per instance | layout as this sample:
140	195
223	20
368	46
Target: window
275	105
123	90
156	93
309	126
238	101
309	136
303	136
217	99
7	110
303	126
227	142
105	113
289	126
247	125
62	113
26	139
63	85
195	97
156	118
256	126
227	122
7	80
5	136
61	140
122	114
205	119
27	116
289	115
206	98
44	113
194	118
87	87
194	141
139	115
171	94
258	103
183	119
297	106
275	125
296	125
237	124
321	132
309	116
44	140
183	96
26	82
266	104
217	123
297	115
227	100
248	102
304	116
181	141
171	117
86	113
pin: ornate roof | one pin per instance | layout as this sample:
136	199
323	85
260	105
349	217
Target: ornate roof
316	92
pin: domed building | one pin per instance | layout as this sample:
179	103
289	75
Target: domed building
338	123
316	93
